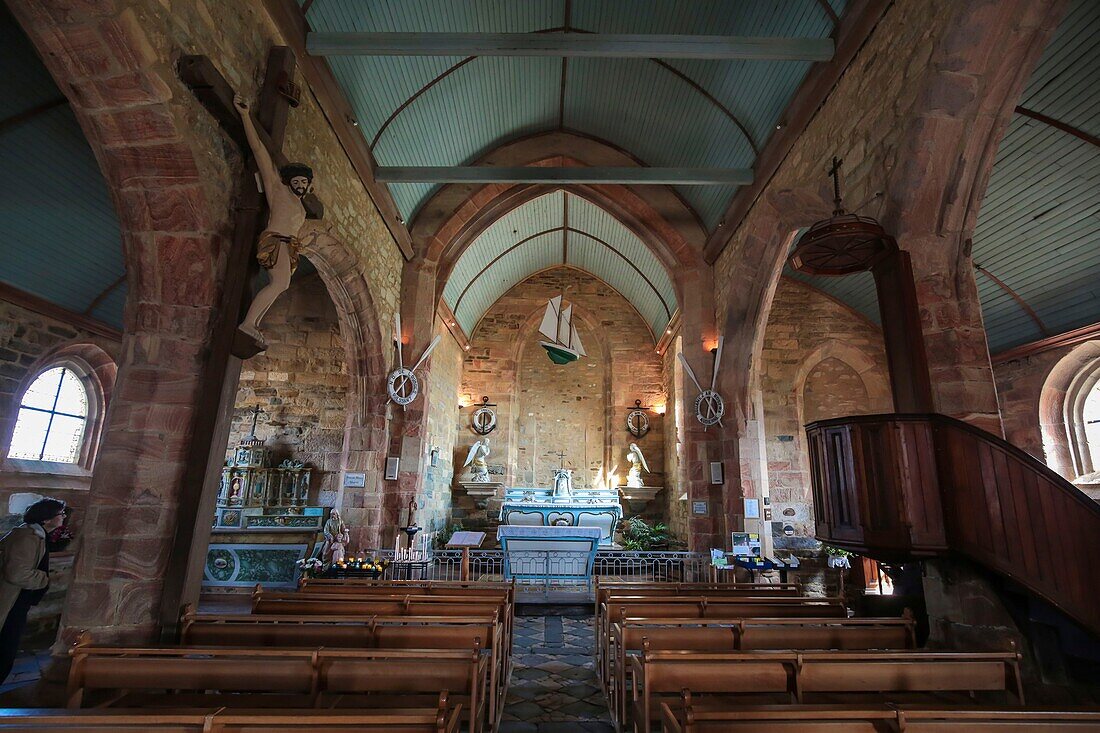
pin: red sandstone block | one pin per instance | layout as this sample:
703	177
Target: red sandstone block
78	49
165	164
142	384
37	14
127	126
187	269
157	418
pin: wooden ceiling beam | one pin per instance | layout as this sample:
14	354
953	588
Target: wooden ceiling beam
571	45
48	308
860	19
628	176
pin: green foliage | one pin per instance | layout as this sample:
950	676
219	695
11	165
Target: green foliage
444	535
637	535
836	551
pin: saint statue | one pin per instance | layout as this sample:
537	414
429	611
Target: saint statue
412	512
563	483
637	464
476	460
337	537
280	243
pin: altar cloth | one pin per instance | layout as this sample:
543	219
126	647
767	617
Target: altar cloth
549	555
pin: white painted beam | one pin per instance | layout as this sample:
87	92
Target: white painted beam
618	45
566	175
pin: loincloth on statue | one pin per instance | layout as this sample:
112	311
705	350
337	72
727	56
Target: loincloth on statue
267	249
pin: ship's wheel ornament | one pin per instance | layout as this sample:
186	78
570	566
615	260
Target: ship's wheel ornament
484	419
402	385
637	422
709	405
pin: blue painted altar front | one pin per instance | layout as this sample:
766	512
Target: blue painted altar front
531	507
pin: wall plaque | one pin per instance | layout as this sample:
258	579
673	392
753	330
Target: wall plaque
355	480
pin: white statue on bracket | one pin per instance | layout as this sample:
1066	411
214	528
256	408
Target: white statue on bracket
637	464
476	460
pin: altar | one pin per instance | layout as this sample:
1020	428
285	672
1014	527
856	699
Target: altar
263	523
540	507
549	556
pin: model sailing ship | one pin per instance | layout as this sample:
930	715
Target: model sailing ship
564	343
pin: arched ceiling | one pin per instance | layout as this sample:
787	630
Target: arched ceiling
55	204
1036	246
552	230
451	110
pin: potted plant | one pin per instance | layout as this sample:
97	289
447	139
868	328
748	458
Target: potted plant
642	537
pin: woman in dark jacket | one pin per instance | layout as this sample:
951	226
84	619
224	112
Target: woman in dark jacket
24	573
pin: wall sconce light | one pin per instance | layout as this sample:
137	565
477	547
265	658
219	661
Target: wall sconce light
660	409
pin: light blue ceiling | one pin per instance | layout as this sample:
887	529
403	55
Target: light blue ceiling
54	203
675	113
1039	225
1038	229
552	230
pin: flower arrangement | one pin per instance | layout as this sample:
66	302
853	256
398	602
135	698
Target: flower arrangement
310	566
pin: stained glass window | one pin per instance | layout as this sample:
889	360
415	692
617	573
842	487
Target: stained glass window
50	426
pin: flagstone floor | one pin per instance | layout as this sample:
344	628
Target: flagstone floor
554	687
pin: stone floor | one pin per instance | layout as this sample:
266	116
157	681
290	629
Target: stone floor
27	669
554	687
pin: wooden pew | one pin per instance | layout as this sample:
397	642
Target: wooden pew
344	604
446	718
606	589
685	718
734	635
871	719
374	632
617	608
505	593
840	677
278	678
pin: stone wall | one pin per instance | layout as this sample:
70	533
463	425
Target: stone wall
446	374
1042	399
677	409
589	396
27	341
561	408
301	384
820	359
173	176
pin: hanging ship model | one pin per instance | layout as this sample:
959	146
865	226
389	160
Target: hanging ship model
564	344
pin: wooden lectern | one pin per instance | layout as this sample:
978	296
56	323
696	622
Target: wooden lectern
465	541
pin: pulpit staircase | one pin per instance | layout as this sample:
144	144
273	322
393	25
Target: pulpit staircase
900	487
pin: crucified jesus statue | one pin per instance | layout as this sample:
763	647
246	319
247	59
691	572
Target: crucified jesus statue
280	243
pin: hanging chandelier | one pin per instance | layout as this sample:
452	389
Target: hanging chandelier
842	244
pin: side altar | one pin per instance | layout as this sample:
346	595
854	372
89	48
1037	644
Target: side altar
263	523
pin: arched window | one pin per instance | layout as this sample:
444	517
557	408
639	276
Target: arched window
1091	418
52	418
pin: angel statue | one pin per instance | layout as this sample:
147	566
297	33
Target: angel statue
637	464
475	459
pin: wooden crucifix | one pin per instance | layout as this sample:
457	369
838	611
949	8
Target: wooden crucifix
228	346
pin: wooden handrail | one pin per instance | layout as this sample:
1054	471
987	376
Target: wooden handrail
905	486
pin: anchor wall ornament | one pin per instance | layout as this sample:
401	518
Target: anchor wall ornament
709	405
637	422
484	418
402	384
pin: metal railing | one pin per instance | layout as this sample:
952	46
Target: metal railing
673	567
